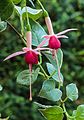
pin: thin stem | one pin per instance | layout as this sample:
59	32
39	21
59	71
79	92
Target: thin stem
28	24
43	71
40	73
27	16
44	11
58	67
63	105
41	5
52	74
22	25
40	59
63	101
30	70
16	31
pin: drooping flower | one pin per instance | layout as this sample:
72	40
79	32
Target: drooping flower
30	55
53	39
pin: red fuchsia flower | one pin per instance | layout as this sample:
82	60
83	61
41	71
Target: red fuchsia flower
53	39
30	55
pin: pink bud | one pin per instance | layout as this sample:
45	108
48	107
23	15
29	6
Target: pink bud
31	57
54	43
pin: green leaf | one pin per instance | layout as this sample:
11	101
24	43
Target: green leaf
80	112
16	1
37	33
48	54
49	91
31	2
42	106
1	88
6	9
4	118
24	77
52	69
23	3
72	91
32	13
52	113
3	26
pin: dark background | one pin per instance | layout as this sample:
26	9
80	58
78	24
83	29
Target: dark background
14	98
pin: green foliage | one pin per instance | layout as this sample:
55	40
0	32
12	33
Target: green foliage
3	26
48	54
49	91
1	88
6	9
80	112
32	13
54	71
37	33
24	77
52	113
66	14
16	1
72	92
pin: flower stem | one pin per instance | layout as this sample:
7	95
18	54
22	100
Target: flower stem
28	24
22	25
43	71
20	35
58	68
44	11
52	74
68	116
63	101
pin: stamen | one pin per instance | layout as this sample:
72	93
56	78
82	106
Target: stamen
30	70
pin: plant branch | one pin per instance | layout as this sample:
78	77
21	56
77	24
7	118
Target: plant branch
68	116
43	71
23	39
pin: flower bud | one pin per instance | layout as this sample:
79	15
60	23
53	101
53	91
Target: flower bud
54	43
31	57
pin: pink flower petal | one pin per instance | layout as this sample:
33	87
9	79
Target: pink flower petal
62	36
65	31
25	49
14	54
42	49
46	36
42	43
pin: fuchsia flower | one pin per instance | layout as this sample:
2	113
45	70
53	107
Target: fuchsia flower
53	39
30	55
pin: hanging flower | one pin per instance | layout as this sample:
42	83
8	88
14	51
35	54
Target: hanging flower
30	55
53	39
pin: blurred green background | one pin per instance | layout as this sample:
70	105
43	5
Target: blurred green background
14	98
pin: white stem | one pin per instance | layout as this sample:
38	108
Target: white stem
29	39
30	70
49	25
